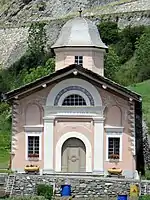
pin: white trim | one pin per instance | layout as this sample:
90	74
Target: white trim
114	135
73	92
83	111
72	82
33	128
113	129
59	148
98	144
48	143
27	134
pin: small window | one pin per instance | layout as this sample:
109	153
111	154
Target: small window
74	100
79	60
33	146
113	148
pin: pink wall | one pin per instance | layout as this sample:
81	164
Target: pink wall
83	126
116	113
30	113
93	59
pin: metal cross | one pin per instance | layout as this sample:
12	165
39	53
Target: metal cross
80	12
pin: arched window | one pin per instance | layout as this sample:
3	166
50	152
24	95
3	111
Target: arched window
74	100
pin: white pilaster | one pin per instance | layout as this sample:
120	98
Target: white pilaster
48	144
98	145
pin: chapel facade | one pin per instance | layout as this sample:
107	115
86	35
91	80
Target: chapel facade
76	120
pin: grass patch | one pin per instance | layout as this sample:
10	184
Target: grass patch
8	171
144	90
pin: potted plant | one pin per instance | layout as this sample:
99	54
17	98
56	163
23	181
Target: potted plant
114	157
33	155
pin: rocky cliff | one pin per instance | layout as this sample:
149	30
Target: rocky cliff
16	16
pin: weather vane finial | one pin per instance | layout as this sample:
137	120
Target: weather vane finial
80	12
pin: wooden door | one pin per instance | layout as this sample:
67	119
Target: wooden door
73	156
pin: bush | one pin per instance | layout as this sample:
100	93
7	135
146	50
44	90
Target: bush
27	198
145	197
45	191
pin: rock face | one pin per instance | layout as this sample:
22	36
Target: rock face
52	8
16	16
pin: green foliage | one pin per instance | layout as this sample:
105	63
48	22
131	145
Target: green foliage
5	126
144	90
27	198
126	74
142	56
144	197
36	73
45	190
36	38
126	43
112	63
108	32
147	175
36	54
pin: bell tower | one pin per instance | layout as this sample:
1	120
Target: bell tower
79	42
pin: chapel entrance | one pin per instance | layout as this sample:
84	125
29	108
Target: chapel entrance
73	156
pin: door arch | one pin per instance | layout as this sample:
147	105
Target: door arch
73	156
60	143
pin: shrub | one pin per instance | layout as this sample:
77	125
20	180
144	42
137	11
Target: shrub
145	197
45	191
27	198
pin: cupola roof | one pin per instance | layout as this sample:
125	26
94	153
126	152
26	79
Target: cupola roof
79	32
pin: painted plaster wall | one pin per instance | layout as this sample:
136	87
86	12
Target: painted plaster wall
117	113
82	126
108	99
93	59
39	99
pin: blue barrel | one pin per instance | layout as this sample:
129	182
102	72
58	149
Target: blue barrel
122	197
65	190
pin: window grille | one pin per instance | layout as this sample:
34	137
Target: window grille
79	60
74	100
113	148
33	146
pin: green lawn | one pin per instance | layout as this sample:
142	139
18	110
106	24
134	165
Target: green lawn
4	160
144	90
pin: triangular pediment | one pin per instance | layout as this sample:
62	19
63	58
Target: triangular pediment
72	71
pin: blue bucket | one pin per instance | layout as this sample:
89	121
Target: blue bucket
65	190
122	197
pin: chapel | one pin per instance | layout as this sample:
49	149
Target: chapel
75	120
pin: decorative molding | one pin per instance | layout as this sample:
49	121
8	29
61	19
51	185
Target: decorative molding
114	129
111	99
84	86
98	119
33	128
15	118
64	111
75	88
131	121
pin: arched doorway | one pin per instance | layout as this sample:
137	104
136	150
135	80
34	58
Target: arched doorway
73	156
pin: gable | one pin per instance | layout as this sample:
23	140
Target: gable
72	71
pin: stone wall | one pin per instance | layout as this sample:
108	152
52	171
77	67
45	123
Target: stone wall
82	186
